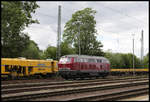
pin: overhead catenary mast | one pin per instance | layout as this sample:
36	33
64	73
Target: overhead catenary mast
133	55
142	46
58	53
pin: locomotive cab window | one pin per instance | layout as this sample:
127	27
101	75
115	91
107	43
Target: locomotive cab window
104	61
99	61
75	59
91	60
65	60
85	60
81	60
78	60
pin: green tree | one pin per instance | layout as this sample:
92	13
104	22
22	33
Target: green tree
146	61
114	58
66	49
15	16
32	51
81	27
50	53
120	60
128	62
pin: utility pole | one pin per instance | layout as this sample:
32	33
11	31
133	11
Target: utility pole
118	44
133	56
79	42
142	46
58	54
78	23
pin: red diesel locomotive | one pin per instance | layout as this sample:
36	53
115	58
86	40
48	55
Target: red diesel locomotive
82	66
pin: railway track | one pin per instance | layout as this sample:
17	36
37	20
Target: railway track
111	94
75	88
34	87
41	83
59	79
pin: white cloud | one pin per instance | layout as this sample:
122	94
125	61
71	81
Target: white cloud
116	21
43	35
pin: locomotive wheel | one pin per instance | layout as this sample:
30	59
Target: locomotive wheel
74	78
65	77
105	75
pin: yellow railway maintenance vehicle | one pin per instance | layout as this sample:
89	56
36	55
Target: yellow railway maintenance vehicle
16	67
122	71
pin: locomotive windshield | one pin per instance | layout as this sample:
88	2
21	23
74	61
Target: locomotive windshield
65	60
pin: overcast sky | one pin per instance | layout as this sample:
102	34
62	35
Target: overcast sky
115	23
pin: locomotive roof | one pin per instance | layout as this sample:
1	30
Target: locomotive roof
85	56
